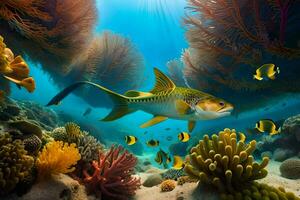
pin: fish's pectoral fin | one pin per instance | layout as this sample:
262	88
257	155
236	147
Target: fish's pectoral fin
153	121
182	107
162	83
191	125
117	113
134	93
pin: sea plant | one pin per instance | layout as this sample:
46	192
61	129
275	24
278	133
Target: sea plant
56	157
224	162
109	57
230	39
61	28
15	164
111	176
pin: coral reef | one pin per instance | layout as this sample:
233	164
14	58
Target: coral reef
291	126
56	157
167	185
173	174
230	39
32	144
281	154
88	146
260	191
225	162
14	69
153	180
34	113
290	168
15	164
111	176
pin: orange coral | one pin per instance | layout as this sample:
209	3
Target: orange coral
14	69
168	185
62	28
57	157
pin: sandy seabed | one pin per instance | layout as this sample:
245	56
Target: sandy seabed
188	192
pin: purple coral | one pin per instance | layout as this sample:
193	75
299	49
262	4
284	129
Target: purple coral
111	175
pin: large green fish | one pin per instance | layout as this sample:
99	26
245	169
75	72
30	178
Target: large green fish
164	101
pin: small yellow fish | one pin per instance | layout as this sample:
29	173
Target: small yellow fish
27	83
152	143
178	162
184	136
267	126
130	140
162	158
266	71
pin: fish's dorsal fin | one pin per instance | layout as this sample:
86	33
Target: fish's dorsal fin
162	83
134	93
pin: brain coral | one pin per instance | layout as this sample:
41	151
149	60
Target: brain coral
290	168
15	164
168	185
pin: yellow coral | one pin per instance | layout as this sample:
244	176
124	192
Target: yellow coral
73	131
167	185
186	179
225	162
57	157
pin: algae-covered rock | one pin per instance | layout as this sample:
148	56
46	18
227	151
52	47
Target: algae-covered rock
153	180
290	168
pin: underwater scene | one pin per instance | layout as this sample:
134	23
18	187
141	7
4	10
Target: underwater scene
149	100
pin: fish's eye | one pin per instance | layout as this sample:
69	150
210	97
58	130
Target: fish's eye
221	103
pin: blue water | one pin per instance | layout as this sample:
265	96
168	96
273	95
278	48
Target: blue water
155	28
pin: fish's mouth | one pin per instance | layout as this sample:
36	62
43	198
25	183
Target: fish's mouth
226	110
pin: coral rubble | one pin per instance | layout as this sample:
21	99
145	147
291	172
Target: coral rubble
111	175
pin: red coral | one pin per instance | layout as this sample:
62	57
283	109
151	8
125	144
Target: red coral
112	175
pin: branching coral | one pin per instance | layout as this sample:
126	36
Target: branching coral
230	39
225	162
56	157
109	57
111	175
62	28
15	164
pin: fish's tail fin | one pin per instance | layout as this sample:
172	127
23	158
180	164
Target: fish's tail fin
120	102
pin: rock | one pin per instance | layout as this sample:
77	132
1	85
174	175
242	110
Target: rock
26	127
59	187
290	168
282	154
292	126
153	180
